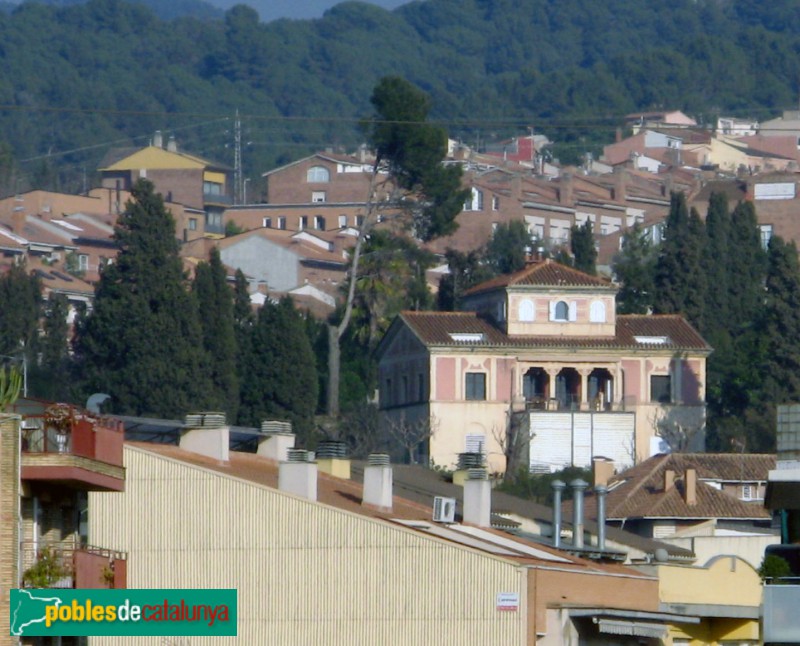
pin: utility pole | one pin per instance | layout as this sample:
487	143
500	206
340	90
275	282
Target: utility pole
238	184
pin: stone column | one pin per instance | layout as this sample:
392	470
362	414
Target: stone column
552	373
584	373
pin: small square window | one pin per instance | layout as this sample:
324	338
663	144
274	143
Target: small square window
475	386
266	223
192	224
318	196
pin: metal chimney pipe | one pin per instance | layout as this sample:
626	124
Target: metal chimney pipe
558	487
578	487
601	491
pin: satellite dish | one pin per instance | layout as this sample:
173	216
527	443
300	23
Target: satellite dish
95	401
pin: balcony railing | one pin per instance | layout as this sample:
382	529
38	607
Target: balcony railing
68	564
71	432
571	403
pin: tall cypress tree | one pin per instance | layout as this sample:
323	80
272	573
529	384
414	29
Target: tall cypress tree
215	300
281	377
49	377
747	264
716	262
680	283
142	342
779	330
583	248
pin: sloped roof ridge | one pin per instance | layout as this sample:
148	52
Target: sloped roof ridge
642	482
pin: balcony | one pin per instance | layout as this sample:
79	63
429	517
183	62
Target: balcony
67	446
72	565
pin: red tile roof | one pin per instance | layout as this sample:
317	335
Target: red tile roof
543	274
436	328
639	491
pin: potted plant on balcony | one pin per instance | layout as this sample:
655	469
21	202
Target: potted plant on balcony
58	417
48	569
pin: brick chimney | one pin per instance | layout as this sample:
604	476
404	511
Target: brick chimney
690	486
602	470
669	479
565	189
620	182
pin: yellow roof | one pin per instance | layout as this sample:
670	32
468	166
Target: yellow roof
157	158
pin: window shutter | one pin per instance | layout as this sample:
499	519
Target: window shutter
573	311
553	310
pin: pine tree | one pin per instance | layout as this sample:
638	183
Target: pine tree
142	342
215	300
583	248
508	249
281	380
633	268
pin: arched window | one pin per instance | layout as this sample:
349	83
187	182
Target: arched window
526	311
318	174
597	312
561	311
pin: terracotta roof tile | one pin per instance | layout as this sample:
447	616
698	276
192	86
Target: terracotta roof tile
544	274
438	328
639	491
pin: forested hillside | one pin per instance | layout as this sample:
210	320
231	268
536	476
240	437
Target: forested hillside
76	79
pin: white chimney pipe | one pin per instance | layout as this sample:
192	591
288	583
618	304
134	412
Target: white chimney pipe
378	482
297	475
206	434
478	499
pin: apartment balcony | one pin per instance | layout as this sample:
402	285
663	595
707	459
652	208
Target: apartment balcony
72	566
71	448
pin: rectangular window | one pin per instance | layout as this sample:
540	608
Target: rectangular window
766	235
303	222
319	223
192	224
495	203
359	221
212	188
475	386
318	196
83	262
282	223
342	221
266	223
661	389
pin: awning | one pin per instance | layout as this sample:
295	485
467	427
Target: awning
634	628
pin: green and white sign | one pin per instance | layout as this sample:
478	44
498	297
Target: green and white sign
154	613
